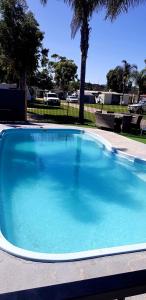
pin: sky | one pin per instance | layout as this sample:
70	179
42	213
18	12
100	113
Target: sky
110	42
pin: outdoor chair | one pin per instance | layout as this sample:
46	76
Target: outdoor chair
135	123
126	123
105	120
118	123
143	127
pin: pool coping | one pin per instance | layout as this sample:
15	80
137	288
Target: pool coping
82	269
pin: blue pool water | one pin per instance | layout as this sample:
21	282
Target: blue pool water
61	191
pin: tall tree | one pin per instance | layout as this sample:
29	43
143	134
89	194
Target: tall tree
44	80
43	76
20	38
65	71
120	79
115	79
140	81
128	70
74	86
55	56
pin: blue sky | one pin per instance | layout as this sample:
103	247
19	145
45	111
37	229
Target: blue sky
110	43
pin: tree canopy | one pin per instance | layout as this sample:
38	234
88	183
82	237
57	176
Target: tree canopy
65	72
120	79
140	80
20	39
115	80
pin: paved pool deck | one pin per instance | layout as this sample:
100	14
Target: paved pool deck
22	275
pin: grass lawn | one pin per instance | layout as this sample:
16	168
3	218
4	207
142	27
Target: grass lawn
113	108
138	138
62	114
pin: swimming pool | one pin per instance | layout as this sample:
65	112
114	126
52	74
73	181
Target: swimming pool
67	195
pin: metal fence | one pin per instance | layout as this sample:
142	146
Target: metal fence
67	113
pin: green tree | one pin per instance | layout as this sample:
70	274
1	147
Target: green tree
55	56
6	74
74	86
20	39
65	71
43	76
120	79
140	81
115	79
128	70
42	80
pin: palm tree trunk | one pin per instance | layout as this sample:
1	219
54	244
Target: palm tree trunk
84	51
82	88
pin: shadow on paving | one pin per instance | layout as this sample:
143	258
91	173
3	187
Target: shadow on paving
58	119
105	288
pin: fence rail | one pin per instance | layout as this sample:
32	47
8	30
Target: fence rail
67	113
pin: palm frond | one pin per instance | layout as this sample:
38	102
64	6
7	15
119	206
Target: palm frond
44	1
116	7
75	25
83	11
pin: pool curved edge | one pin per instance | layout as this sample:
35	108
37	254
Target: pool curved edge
46	257
115	150
6	246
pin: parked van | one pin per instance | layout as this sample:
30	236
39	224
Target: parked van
51	99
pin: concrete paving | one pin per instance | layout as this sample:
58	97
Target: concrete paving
122	143
140	297
19	274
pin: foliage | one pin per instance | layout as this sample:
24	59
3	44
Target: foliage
115	80
74	86
140	80
42	80
136	137
20	38
65	72
120	79
128	70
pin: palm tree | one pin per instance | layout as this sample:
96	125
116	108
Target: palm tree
140	80
82	13
128	70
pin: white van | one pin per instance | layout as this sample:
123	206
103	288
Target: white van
51	99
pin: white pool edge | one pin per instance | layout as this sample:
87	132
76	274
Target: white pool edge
46	257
